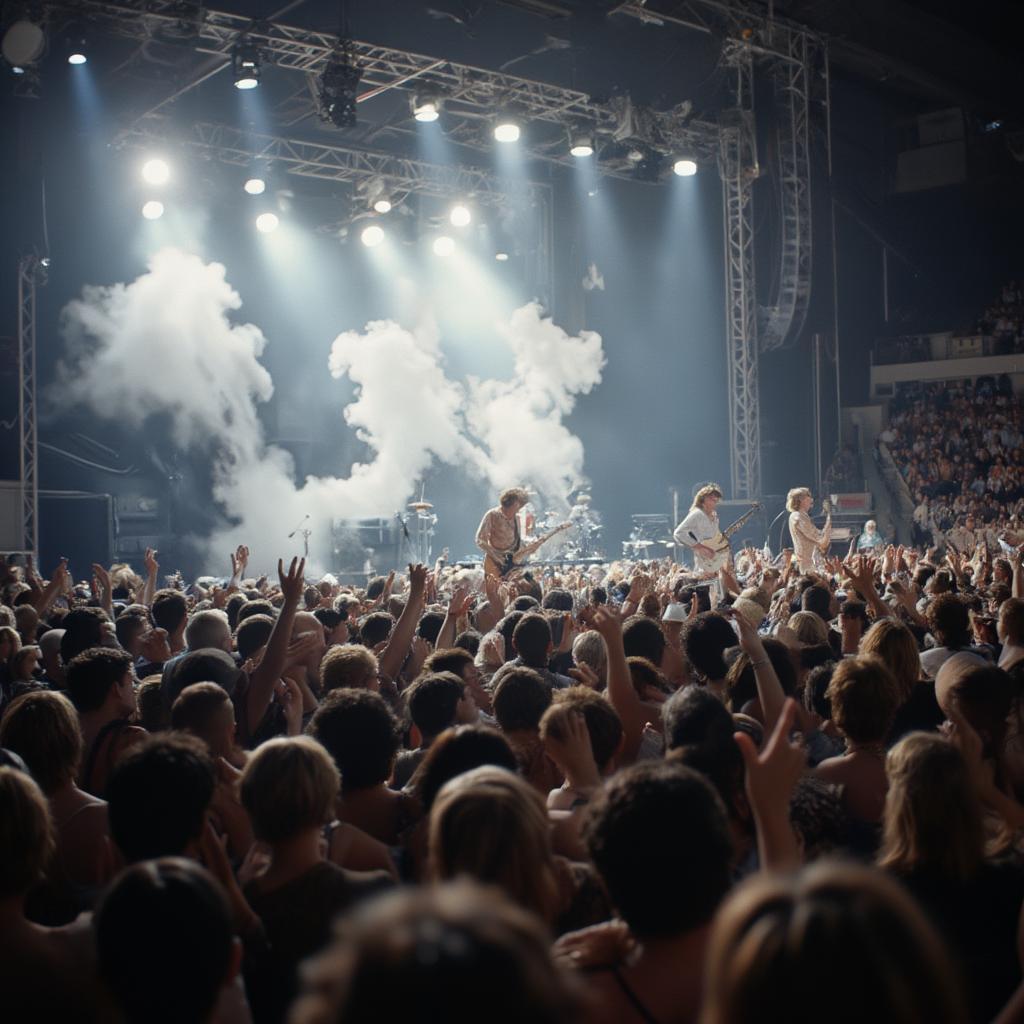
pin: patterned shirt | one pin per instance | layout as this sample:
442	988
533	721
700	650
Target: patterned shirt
497	531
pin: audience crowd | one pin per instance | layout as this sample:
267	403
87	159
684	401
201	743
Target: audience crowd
613	794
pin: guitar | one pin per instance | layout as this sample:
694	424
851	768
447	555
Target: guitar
720	545
513	559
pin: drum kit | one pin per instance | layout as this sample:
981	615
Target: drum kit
418	527
583	538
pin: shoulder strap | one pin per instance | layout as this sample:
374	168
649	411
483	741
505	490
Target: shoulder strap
633	998
111	730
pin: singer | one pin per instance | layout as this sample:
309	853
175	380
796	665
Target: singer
807	538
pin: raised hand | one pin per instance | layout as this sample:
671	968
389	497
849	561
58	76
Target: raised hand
289	695
152	565
585	676
292	582
417	579
239	561
608	624
567	743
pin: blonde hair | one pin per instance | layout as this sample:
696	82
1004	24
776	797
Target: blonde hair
810	628
932	818
795	496
707	491
289	785
347	667
43	728
10	633
492	826
892	641
26	833
832	930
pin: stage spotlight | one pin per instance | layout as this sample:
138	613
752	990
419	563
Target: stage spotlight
444	246
501	257
685	168
156	172
245	65
426	106
255	185
460	216
153	210
382	205
506	129
372	236
581	144
23	44
17	70
267	222
76	55
337	92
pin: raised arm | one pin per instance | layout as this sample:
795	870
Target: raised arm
769	689
621	693
152	571
53	589
392	657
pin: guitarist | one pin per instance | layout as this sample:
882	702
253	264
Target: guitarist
701	522
498	533
808	541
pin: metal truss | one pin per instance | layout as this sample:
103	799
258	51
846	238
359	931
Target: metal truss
29	272
738	168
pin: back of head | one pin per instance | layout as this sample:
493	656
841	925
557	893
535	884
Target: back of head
532	639
809	627
949	622
164	941
208	629
429	626
521	697
642	638
893	642
258	606
358	730
659	836
433	700
289	786
985	695
842	936
491	826
589	649
199	708
43	728
376	628
451	659
158	795
557	600
455	949
26	833
457	751
252	634
349	666
170	610
864	698
603	723
706	639
1011	620
205	665
83	628
817	599
91	674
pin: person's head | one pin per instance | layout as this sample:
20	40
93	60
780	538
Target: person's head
707	497
334	624
349	667
26	620
799	499
659	837
557	599
1011	621
165	942
642	638
205	710
521	697
525	603
932	815
512	499
129	628
429	626
289	787
358	730
455	948
252	634
603	723
870	527
158	796
170	611
10	643
492	826
376	628
740	681
205	665
437	701
24	662
531	640
456	660
818	600
841	936
894	643
809	628
456	751
43	728
26	833
706	639
864	697
589	649
949	622
208	629
83	627
257	606
101	678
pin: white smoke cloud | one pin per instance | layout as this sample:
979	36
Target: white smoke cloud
164	343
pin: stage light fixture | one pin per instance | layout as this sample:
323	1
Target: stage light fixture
255	185
372	236
77	55
426	107
338	92
506	129
501	257
444	245
156	172
17	70
460	216
245	66
153	210
382	205
685	167
23	44
581	144
267	222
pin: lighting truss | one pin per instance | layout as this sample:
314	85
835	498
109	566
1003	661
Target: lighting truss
30	272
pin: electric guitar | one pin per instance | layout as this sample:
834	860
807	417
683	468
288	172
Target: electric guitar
513	559
720	545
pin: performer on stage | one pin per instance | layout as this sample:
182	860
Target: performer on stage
498	534
807	538
701	523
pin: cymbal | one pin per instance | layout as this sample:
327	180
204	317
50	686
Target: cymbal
418	505
582	499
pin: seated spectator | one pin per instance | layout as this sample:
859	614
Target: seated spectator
870	540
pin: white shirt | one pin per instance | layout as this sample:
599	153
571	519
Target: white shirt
700	524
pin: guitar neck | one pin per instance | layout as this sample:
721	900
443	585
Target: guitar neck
533	545
738	525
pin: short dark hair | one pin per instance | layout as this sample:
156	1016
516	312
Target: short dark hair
506	627
91	674
642	638
429	626
531	639
358	730
817	599
83	628
375	587
170	609
558	600
376	628
451	659
252	634
162	919
659	836
127	625
433	699
468	640
520	699
816	690
949	622
706	639
233	607
525	603
457	751
257	606
329	618
158	795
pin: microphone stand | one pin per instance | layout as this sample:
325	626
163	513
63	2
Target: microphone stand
306	532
